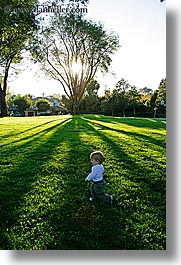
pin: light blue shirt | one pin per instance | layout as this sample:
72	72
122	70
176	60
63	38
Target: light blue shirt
96	173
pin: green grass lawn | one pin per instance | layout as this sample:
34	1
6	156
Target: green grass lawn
44	198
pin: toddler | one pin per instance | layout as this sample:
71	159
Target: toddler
96	176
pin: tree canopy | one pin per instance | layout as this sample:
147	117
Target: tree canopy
16	28
22	103
43	105
72	49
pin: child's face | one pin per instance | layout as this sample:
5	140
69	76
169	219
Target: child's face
94	162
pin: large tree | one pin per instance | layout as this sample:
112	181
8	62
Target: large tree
16	27
133	97
72	49
43	105
161	97
22	103
90	102
122	87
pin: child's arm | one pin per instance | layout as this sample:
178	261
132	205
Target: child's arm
86	179
91	175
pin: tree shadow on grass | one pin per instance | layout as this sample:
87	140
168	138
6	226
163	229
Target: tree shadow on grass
17	179
128	163
65	220
24	131
135	122
149	194
77	223
135	135
34	135
81	225
59	227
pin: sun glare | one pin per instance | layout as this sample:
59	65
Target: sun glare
76	67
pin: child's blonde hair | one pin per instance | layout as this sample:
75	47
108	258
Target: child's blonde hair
98	156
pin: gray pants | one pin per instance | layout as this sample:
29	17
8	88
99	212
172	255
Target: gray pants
98	192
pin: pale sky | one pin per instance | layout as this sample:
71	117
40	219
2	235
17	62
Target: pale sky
141	59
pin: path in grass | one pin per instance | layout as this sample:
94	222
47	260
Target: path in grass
44	199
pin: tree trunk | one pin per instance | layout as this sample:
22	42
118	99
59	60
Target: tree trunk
154	114
134	111
3	106
76	107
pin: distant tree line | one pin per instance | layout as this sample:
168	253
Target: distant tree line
23	103
124	100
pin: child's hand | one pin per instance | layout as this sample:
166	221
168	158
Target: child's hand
86	179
